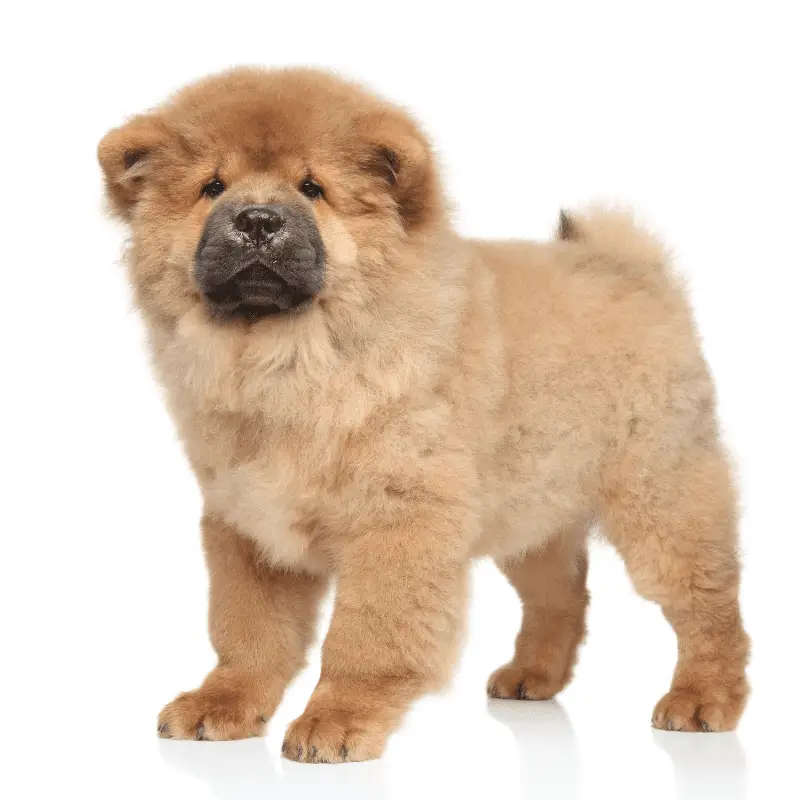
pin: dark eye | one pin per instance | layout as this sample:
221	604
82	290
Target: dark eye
213	189
310	189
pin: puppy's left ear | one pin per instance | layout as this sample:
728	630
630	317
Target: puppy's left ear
126	156
400	155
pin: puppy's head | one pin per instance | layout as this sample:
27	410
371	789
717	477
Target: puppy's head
266	193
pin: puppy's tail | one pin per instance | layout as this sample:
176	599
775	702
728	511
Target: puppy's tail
617	236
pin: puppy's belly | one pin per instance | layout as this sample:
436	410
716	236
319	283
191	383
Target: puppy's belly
523	512
254	502
524	526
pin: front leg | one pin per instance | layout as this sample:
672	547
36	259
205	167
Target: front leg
261	622
393	636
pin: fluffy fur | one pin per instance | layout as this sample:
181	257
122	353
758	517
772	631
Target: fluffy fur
442	399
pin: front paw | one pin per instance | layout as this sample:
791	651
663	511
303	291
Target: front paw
226	706
333	736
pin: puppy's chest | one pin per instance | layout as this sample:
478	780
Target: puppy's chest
264	501
261	486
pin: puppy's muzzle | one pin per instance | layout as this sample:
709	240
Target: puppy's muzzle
257	260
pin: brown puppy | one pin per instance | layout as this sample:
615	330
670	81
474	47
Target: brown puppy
363	394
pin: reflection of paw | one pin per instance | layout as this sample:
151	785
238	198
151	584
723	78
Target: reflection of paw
521	683
689	710
334	736
232	709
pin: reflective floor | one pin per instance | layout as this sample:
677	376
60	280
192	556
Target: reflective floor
536	754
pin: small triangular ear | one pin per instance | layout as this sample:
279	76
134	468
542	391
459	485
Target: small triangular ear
125	155
399	153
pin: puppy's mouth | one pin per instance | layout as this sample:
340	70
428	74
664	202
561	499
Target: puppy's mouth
257	291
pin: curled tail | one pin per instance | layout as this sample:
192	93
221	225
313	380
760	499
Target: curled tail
617	236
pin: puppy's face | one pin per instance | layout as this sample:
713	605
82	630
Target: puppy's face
265	194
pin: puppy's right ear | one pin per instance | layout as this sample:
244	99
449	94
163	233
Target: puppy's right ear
126	154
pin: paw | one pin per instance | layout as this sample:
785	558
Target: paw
690	710
217	710
522	683
334	736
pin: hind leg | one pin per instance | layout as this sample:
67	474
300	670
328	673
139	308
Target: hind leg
551	584
676	531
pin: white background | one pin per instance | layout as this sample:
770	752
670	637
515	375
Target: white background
683	110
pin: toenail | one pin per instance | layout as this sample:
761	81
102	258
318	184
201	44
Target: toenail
705	726
670	726
163	729
200	735
344	753
285	746
313	752
299	752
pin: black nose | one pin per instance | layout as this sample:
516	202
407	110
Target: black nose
259	222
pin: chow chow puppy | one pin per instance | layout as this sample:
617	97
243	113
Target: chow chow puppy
366	397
